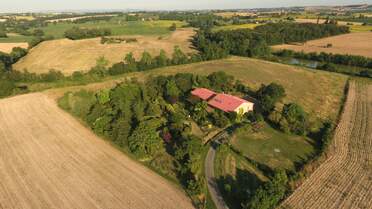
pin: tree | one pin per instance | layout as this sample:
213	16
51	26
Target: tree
161	60
296	117
38	32
171	91
146	61
145	141
269	95
179	57
221	81
6	88
200	113
173	27
270	194
130	61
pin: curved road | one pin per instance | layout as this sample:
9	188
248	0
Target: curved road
209	173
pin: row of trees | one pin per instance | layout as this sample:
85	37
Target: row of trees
255	43
76	33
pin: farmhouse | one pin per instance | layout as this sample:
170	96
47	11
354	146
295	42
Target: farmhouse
224	102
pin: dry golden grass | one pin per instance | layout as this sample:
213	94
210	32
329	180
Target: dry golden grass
49	160
344	179
352	43
317	91
7	47
68	56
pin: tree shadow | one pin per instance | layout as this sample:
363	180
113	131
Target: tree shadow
237	190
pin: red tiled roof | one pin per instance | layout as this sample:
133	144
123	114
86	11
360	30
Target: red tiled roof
203	93
226	102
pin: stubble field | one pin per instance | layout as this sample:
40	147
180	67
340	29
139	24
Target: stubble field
344	180
68	56
49	160
352	43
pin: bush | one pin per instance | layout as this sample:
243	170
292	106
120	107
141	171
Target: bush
77	33
6	88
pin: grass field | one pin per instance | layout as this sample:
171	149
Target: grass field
360	28
117	26
68	56
318	92
352	43
234	27
273	148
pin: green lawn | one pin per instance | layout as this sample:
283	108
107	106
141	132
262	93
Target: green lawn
272	148
15	39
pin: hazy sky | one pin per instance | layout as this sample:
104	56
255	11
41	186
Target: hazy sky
42	5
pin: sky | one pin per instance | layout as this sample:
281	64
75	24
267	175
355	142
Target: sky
62	5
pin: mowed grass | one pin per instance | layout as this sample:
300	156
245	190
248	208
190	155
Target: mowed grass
16	38
273	148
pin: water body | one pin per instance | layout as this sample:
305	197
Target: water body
305	63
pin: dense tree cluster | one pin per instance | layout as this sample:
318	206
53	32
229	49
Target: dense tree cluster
287	32
270	193
77	33
151	120
269	96
255	43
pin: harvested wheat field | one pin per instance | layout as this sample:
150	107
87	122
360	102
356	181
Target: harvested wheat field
321	21
68	56
345	179
7	47
352	43
49	160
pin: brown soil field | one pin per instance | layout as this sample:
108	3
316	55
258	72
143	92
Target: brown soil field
68	56
352	43
7	47
344	180
49	160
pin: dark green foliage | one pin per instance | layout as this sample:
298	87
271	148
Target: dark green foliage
6	88
17	53
38	33
77	33
286	32
269	95
173	27
270	194
296	119
221	81
145	141
3	34
219	119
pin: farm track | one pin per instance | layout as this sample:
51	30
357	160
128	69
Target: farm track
49	160
345	179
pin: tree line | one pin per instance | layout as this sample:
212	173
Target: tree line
77	33
255	43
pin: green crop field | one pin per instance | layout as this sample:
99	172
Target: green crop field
272	148
118	27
